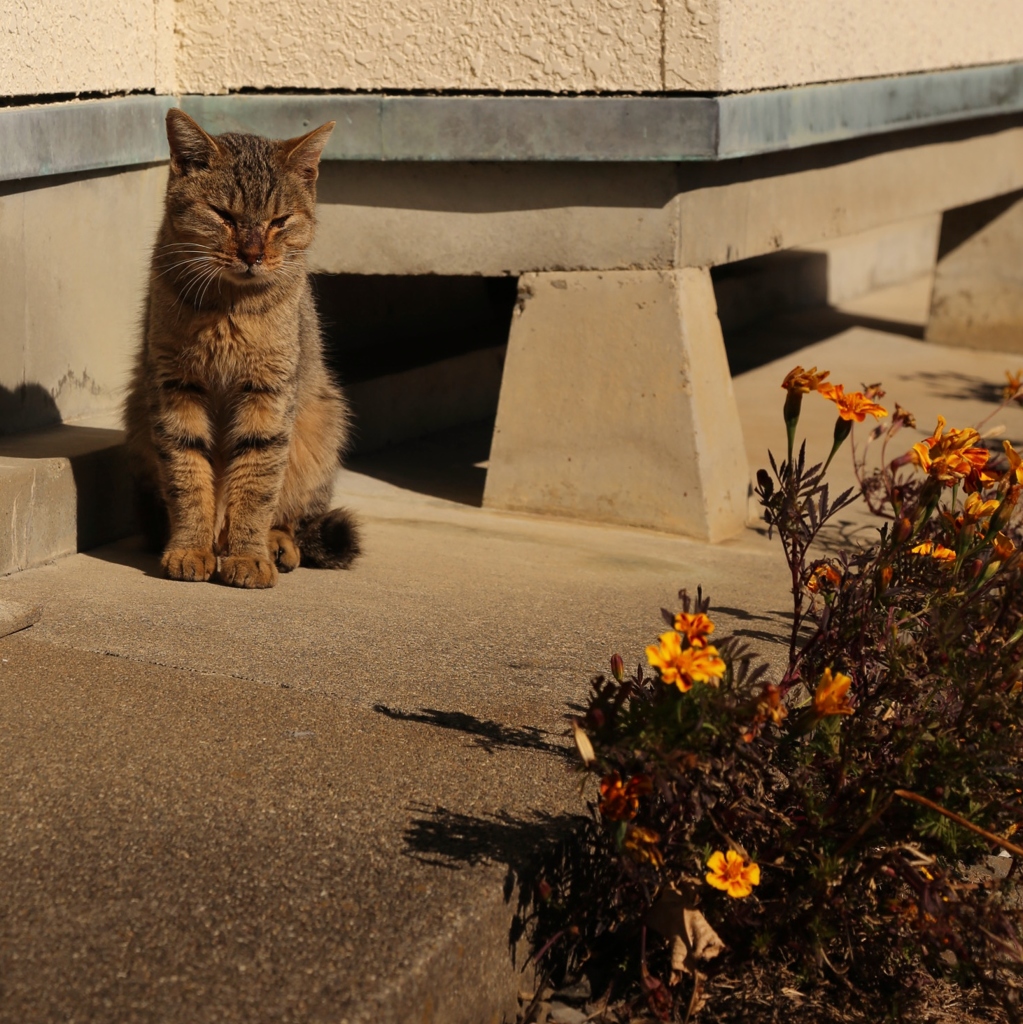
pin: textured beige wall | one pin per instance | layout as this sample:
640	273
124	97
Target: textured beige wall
55	46
215	46
581	45
734	45
559	45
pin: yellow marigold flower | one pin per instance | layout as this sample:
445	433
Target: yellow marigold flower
694	628
976	509
950	457
730	872
803	381
938	551
832	696
685	667
1004	547
854	406
642	845
620	801
1011	390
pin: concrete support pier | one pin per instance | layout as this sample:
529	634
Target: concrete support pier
617	405
978	283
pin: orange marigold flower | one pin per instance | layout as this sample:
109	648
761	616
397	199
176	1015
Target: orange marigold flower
950	457
854	406
620	801
1003	545
769	709
642	845
832	696
820	575
803	381
695	628
685	667
730	872
770	706
938	551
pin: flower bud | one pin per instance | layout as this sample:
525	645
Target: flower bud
903	530
765	483
617	667
975	568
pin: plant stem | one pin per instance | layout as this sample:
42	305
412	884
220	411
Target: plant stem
960	820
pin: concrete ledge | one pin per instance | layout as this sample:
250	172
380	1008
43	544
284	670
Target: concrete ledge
68	137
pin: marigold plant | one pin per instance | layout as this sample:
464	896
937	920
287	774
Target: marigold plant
827	829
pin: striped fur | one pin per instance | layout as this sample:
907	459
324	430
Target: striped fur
234	425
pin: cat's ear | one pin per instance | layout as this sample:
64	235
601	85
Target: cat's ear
191	148
303	154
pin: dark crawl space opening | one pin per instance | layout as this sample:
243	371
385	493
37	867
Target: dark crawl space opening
421	361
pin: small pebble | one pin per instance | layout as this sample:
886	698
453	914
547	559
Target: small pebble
577	992
561	1013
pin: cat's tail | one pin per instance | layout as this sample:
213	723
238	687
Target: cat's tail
330	540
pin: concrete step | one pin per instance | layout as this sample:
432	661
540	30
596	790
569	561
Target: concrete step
63	489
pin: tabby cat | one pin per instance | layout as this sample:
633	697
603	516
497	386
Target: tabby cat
235	427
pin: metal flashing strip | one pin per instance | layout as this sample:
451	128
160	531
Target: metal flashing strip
88	135
768	122
85	135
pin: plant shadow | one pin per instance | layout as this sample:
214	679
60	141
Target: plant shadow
453	840
961	386
487	734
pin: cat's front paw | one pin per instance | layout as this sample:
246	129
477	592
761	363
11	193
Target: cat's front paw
190	564
253	572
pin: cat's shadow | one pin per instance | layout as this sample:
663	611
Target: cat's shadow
133	553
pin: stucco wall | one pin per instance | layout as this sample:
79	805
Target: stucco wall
57	46
735	45
581	45
215	46
565	45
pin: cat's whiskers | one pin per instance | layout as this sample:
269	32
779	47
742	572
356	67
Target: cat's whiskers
200	287
214	275
184	263
193	274
196	277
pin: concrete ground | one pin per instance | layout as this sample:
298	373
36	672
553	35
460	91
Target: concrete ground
309	804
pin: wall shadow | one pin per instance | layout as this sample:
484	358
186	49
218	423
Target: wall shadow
761	343
450	464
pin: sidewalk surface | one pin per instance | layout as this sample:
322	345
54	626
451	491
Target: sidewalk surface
308	804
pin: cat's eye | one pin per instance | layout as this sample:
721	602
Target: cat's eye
222	214
279	222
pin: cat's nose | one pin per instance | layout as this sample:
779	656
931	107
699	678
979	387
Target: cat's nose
251	256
